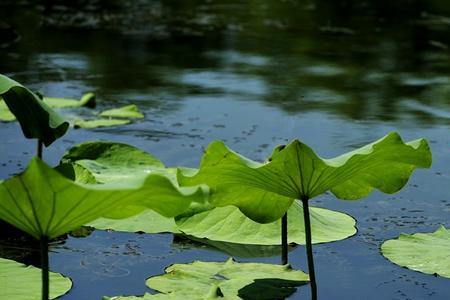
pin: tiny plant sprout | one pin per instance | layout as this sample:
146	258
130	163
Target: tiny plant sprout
265	191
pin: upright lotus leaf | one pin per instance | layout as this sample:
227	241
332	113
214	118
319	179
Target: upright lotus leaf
44	203
228	224
87	100
20	282
112	162
128	111
198	279
296	172
36	118
424	252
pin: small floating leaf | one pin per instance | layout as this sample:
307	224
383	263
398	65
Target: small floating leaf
89	124
87	100
199	279
36	118
19	282
128	111
424	252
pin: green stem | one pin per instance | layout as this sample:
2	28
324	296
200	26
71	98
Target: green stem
44	268
39	149
309	253
284	239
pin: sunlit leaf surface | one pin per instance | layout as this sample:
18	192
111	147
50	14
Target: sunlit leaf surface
265	191
20	282
424	252
129	111
225	280
89	124
42	202
87	100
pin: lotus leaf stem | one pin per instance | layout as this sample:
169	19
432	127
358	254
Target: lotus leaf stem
284	239
309	253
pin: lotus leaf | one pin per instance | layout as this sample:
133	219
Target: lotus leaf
112	162
265	191
223	278
228	224
115	162
90	124
147	221
44	203
87	100
128	111
424	252
20	282
36	118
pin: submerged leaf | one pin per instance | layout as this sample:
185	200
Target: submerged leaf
201	279
128	111
89	124
42	202
265	191
424	252
36	118
87	100
19	282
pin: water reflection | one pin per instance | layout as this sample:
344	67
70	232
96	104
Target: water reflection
357	60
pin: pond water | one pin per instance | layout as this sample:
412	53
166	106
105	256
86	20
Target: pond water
256	74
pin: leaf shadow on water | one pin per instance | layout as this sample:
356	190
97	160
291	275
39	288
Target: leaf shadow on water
269	288
231	249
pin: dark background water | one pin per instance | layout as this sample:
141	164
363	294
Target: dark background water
335	74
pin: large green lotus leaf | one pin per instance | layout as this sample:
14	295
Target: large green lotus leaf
263	190
42	202
87	100
112	162
128	111
20	282
90	124
147	221
200	279
424	252
228	224
36	118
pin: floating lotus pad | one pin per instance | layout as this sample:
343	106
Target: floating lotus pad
222	280
265	191
90	124
129	111
87	100
424	252
20	282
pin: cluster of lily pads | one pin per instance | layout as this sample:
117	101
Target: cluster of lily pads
229	198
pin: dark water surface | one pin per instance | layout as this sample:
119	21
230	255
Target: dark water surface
335	74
